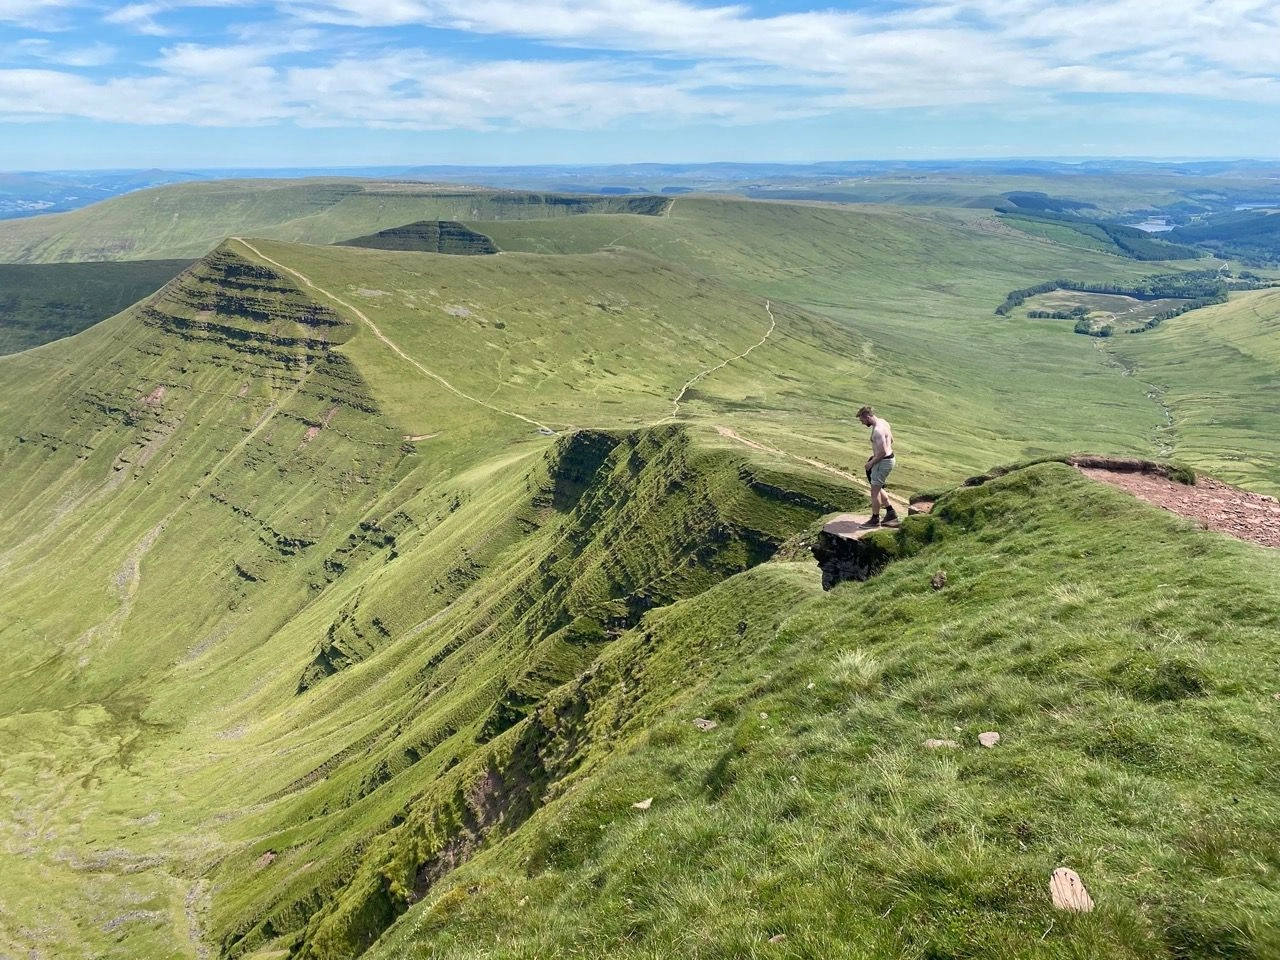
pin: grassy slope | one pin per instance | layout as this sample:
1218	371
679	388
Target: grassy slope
906	287
1216	370
161	702
43	302
1118	663
263	522
189	220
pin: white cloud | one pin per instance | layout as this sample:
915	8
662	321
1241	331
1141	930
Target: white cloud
139	17
962	49
95	55
36	14
665	61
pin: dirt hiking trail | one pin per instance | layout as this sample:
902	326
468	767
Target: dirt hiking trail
1215	505
757	445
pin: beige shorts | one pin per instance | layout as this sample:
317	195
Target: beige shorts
880	472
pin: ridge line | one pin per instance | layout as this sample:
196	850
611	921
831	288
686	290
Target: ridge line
390	343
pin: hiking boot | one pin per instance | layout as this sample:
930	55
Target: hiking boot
890	515
873	522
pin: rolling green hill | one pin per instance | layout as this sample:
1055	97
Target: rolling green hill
188	220
354	598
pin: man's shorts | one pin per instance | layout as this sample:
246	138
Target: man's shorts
880	472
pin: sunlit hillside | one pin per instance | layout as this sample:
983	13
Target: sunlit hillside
363	602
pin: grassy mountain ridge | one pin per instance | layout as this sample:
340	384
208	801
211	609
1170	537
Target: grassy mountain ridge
218	431
318	645
189	220
814	812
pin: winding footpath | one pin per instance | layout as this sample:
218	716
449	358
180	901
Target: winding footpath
675	404
373	327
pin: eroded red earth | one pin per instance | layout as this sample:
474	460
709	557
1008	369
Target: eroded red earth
1215	505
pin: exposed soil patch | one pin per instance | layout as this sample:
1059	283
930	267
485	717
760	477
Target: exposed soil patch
1215	505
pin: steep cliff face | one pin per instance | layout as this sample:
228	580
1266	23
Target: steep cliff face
428	236
609	528
234	302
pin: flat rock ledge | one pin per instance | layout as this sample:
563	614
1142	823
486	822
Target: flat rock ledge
843	553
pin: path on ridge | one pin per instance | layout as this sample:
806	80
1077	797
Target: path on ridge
1213	504
757	445
390	343
675	404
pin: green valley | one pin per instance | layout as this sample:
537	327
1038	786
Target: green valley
375	600
44	302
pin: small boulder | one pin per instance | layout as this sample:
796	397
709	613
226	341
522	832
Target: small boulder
989	739
704	724
643	804
778	938
939	580
1068	891
940	745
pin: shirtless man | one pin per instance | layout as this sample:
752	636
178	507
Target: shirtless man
878	465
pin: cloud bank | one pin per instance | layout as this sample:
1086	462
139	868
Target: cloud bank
486	65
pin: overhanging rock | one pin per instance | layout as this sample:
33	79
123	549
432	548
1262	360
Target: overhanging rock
847	550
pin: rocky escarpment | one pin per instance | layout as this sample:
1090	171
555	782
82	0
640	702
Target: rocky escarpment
427	236
248	307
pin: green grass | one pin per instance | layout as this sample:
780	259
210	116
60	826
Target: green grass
297	618
814	811
44	302
905	287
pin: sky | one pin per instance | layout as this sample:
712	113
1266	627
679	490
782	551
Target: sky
178	84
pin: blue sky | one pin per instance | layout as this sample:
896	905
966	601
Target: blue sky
222	83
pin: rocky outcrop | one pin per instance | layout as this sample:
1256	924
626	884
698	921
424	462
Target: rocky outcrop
427	236
845	550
